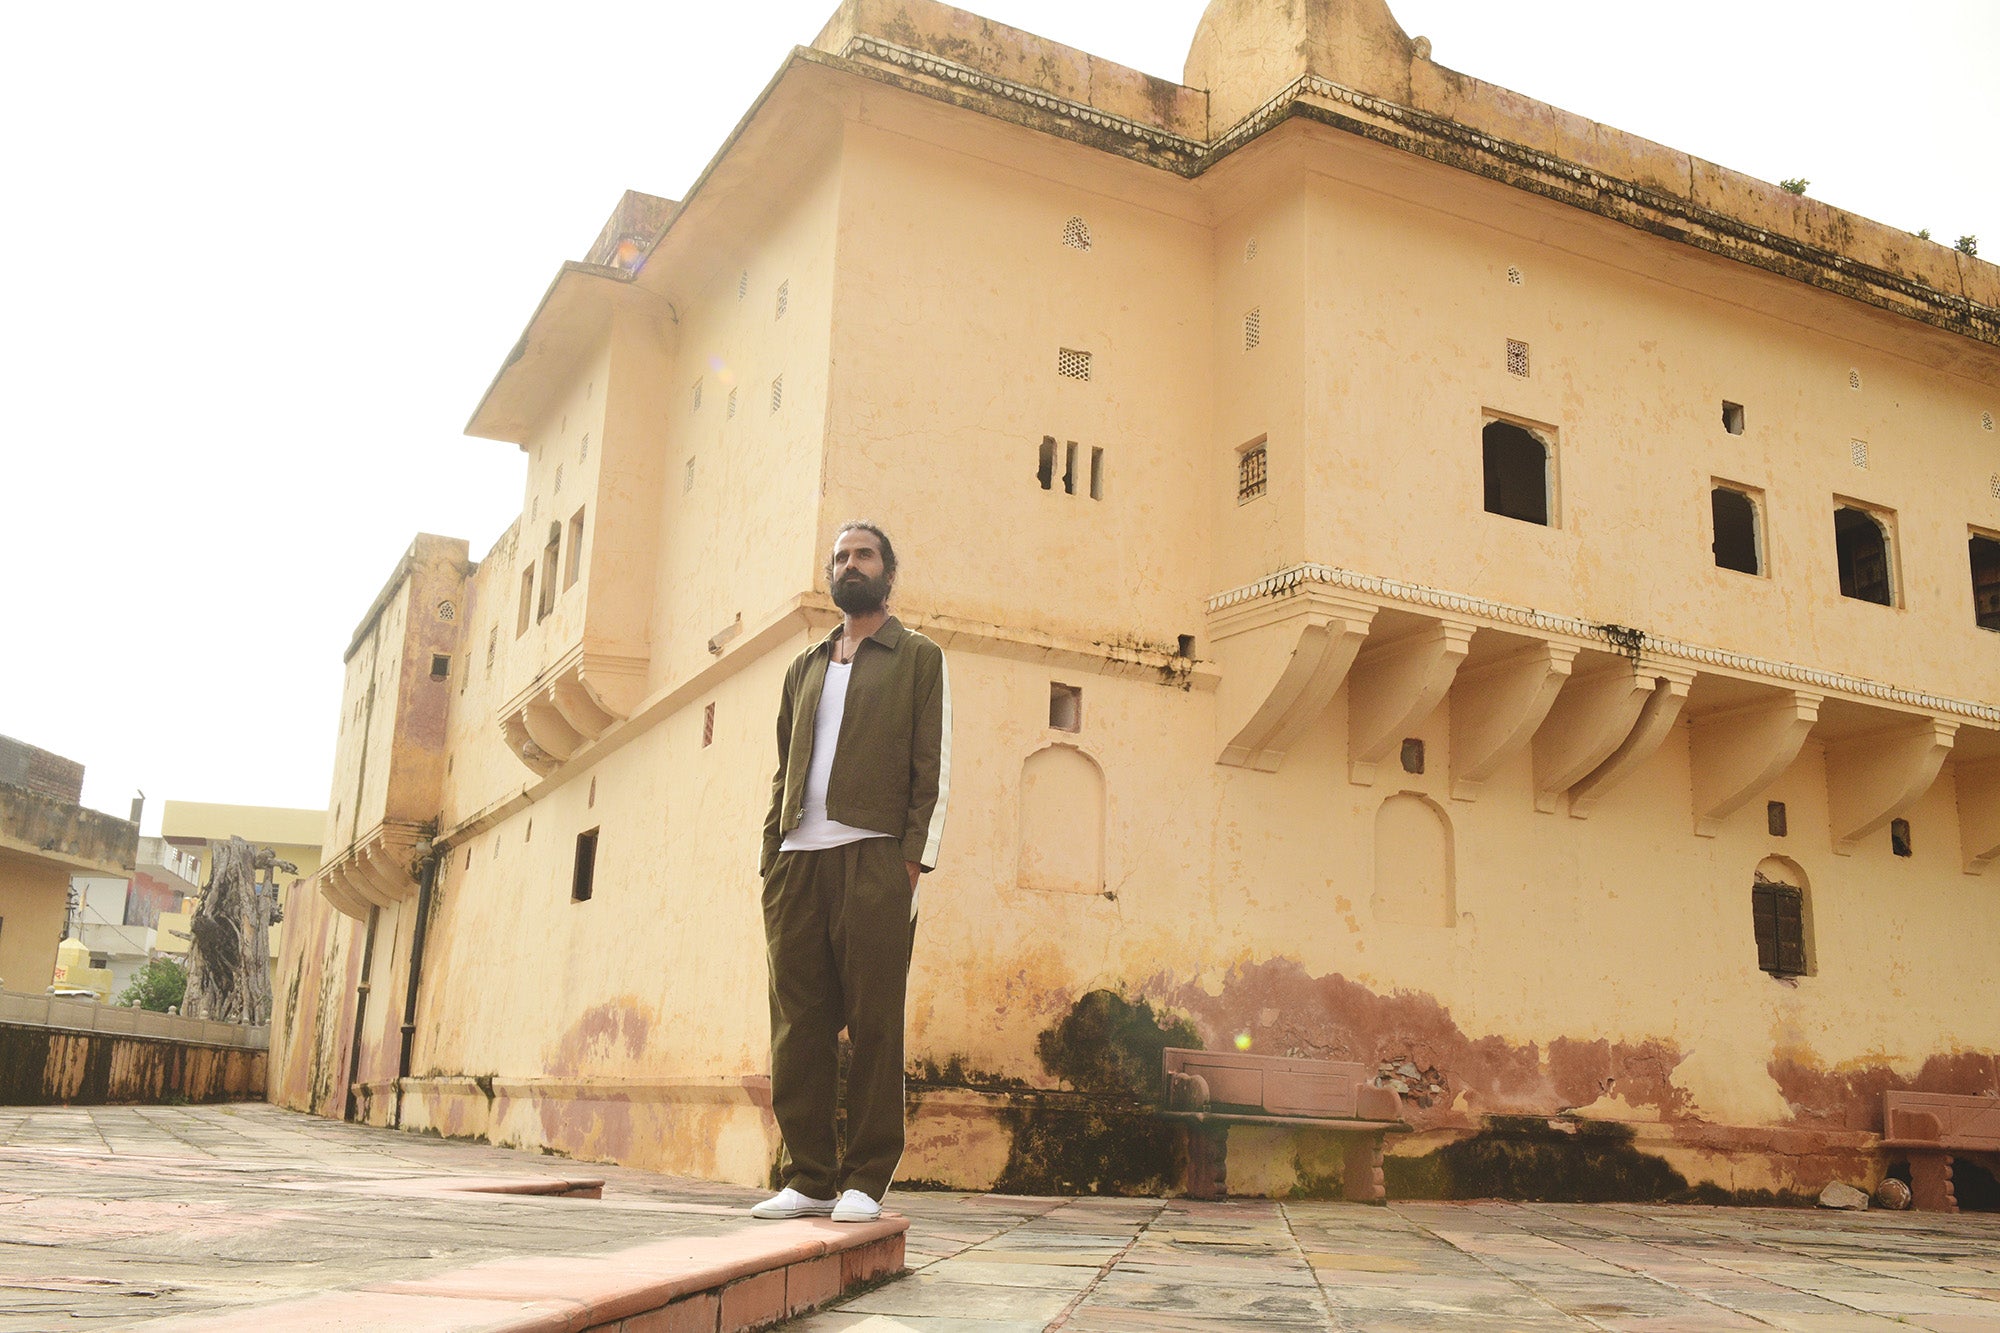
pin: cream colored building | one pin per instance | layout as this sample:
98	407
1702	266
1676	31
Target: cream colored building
1428	580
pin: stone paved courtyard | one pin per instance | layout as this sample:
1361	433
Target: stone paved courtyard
112	1216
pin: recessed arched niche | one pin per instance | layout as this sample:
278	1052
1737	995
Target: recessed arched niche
1414	871
1062	821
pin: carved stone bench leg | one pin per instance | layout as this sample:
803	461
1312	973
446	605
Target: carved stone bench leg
1208	1161
1930	1183
1362	1179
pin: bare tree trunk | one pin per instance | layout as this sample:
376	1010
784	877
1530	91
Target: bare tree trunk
229	956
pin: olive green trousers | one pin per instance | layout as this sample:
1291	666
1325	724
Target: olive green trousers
838	927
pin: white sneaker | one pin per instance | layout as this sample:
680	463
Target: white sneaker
854	1206
788	1202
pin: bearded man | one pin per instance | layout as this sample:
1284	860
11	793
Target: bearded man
857	808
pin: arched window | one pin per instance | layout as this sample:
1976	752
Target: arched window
1413	863
1517	473
1780	918
1062	821
1862	547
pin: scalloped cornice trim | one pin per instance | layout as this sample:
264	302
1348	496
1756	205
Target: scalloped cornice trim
1620	638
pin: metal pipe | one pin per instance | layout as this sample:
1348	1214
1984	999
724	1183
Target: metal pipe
426	881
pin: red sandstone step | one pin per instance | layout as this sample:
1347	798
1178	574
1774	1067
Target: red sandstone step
749	1278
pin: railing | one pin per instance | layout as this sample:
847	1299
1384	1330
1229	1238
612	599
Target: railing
57	1011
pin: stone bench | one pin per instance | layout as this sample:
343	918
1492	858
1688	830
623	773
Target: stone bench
1209	1091
1929	1129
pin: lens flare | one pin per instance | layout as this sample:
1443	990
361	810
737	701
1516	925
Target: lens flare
1242	1041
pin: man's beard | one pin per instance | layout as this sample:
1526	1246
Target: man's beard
857	594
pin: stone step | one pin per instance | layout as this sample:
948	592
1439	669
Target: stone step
748	1278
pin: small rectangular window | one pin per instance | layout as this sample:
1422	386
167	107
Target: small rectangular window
1065	707
1985	553
1253	329
527	602
687	477
551	557
440	665
1738	536
777	393
1515	462
1732	418
708	726
1413	755
1045	470
1774	818
1517	358
1096	473
583	877
1899	837
574	566
1250	471
784	298
1778	914
1069	469
1072	364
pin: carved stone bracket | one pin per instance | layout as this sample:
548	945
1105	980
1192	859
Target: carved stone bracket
1283	660
1735	753
1394	687
1496	708
1873	778
379	870
571	706
1591	717
1657	716
1978	813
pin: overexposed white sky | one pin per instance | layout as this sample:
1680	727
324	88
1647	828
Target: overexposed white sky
263	259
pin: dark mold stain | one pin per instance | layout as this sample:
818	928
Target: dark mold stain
1556	1161
1103	1138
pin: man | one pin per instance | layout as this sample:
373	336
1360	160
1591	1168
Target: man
857	807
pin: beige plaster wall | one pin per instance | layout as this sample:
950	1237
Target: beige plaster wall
33	901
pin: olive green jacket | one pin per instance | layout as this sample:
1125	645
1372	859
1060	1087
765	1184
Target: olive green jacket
892	764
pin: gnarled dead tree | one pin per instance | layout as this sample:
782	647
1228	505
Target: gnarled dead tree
229	950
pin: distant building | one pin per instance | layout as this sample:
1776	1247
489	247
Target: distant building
118	920
46	836
1427	580
189	826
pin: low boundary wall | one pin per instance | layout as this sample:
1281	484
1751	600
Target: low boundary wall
57	1051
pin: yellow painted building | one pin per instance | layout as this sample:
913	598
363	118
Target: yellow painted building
46	836
1428	579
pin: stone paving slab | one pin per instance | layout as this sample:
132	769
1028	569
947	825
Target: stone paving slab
114	1216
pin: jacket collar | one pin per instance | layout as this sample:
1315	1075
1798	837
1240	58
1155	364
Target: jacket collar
890	634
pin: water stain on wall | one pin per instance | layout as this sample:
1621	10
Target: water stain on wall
1284	1010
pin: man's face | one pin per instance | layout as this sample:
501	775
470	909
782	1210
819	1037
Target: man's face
854	574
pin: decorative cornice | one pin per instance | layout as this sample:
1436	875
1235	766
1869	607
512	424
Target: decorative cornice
923	62
1441	139
1619	638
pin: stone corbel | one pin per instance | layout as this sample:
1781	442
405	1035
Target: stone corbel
547	729
577	708
615	682
1282	660
1657	716
334	887
1736	753
1496	709
1978	813
1872	779
1395	686
1591	717
523	746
